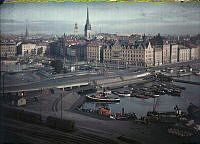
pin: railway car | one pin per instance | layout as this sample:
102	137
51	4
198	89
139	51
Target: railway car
11	113
30	117
63	125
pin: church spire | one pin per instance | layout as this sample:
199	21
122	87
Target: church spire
87	30
87	21
26	33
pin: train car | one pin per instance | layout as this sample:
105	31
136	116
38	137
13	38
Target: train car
63	125
30	117
11	113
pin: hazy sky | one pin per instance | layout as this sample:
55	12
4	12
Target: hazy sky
121	18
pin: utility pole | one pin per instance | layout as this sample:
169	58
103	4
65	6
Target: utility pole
118	64
41	102
61	117
3	85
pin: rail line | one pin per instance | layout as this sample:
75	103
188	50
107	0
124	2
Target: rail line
42	134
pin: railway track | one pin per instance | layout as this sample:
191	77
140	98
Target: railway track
40	134
56	102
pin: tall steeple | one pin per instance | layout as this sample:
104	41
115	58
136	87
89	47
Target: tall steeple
87	29
26	33
87	21
76	31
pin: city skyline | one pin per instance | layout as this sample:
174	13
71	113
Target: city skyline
120	18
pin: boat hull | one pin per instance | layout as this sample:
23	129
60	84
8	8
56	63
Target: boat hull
103	100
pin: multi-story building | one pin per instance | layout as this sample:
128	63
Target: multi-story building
76	53
183	53
139	54
26	49
157	55
195	52
166	53
94	52
57	48
149	55
173	53
8	50
112	53
31	49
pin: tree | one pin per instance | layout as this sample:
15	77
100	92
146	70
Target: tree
40	51
58	65
33	52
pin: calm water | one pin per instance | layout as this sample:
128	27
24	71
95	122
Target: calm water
165	102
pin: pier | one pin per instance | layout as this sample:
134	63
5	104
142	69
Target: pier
185	81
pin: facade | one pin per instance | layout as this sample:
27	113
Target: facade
158	56
166	53
26	49
31	49
173	53
57	48
195	52
76	53
183	54
149	55
138	54
41	48
94	52
8	50
87	30
112	53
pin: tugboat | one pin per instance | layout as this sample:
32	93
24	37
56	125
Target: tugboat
102	97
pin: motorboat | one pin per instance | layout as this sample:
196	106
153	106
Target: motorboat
101	97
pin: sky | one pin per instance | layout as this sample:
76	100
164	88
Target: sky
119	18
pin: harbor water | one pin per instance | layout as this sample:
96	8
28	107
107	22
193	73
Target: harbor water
164	103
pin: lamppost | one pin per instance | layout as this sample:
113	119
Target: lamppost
41	94
61	96
3	84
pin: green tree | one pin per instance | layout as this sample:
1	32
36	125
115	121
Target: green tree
33	52
40	51
57	65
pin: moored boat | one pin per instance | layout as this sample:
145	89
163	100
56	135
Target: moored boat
102	98
124	94
197	73
142	96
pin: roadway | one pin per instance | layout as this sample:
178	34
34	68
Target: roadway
56	82
84	77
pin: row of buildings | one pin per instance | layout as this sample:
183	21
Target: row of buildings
140	52
12	49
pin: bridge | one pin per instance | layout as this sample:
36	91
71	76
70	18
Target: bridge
73	81
61	86
73	85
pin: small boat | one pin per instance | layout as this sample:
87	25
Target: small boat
124	94
142	96
197	73
100	97
155	95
